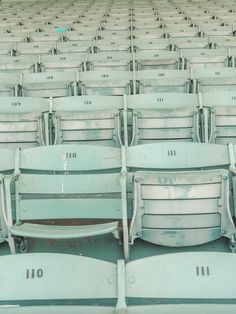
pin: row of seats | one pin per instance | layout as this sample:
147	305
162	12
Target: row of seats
115	121
72	83
120	60
80	44
80	280
179	194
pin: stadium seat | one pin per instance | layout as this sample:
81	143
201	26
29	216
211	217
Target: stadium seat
162	81
87	120
177	193
164	117
54	178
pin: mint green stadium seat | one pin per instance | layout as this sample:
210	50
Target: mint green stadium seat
48	84
87	120
23	122
157	60
62	62
106	83
77	35
148	33
35	48
67	182
46	36
181	31
164	117
58	283
215	30
219	111
151	44
73	46
215	79
162	81
223	41
9	84
115	60
22	64
190	43
111	34
181	283
112	44
205	58
181	193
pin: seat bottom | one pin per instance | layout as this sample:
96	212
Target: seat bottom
29	230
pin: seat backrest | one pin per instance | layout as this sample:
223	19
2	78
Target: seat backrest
18	64
22	122
205	58
164	117
87	120
157	60
220	117
115	60
73	46
106	82
174	205
35	48
162	81
66	61
215	79
191	42
84	179
49	84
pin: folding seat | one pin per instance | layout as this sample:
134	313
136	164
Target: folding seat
106	83
156	286
217	30
116	26
79	36
163	117
49	84
162	81
35	48
214	79
87	120
61	62
117	34
223	41
205	58
73	46
115	60
157	60
146	25
34	280
112	45
68	182
182	31
9	84
23	122
219	117
152	44
12	38
148	33
19	64
190	43
177	191
45	36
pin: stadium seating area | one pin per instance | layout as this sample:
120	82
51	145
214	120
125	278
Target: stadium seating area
117	156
